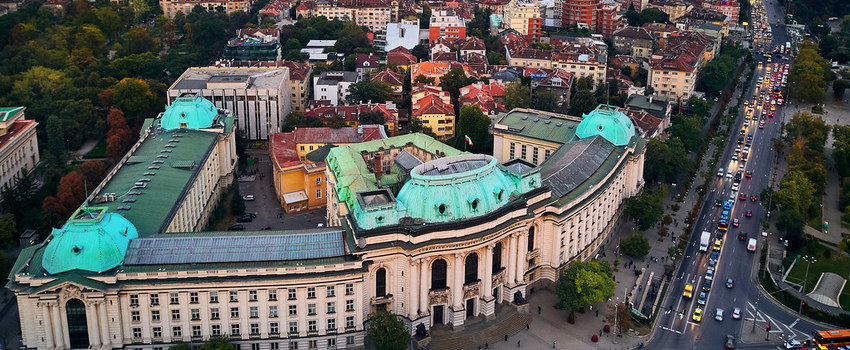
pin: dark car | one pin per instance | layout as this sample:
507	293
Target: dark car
754	198
729	282
718	203
742	196
245	218
742	236
706	286
236	227
730	342
749	213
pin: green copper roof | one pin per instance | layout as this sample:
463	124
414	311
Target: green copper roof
609	122
8	112
541	125
92	240
189	111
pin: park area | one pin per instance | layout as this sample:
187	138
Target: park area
826	260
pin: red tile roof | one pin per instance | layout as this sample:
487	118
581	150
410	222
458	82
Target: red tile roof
283	144
363	59
389	77
14	130
297	70
401	56
643	120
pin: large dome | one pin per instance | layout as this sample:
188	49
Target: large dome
92	240
189	111
609	122
455	187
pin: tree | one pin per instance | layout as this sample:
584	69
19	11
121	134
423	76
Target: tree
474	123
118	138
654	15
582	102
93	172
795	193
217	343
688	129
635	245
819	29
8	230
140	8
454	80
791	223
646	208
584	283
386	331
56	140
424	80
336	122
633	17
517	95
368	90
545	101
807	80
376	118
134	98
421	52
838	87
415	125
665	160
495	58
69	195
237	204
841	150
300	120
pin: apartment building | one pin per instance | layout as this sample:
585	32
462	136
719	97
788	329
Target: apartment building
332	86
446	24
524	17
171	7
18	145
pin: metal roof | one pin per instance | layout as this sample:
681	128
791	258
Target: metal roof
226	248
574	163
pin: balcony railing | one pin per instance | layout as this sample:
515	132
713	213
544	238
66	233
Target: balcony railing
386	299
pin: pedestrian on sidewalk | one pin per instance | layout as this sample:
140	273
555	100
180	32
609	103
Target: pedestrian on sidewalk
517	343
553	344
538	310
506	337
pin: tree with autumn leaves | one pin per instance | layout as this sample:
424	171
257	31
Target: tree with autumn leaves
119	138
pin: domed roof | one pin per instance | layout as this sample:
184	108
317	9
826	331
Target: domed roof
609	122
457	187
189	111
92	240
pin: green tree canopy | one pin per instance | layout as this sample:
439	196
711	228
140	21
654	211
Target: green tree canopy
646	208
217	343
654	15
584	283
8	230
795	193
300	120
635	245
545	101
386	331
665	160
517	95
371	118
688	129
454	80
582	102
791	223
368	90
474	123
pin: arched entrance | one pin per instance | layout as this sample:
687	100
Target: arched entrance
78	330
381	282
439	270
471	269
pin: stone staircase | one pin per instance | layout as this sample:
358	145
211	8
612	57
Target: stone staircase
508	321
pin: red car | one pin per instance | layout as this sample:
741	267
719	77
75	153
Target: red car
749	174
742	196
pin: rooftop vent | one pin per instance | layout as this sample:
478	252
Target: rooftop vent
162	156
175	140
144	180
129	200
124	207
158	162
559	124
525	117
153	167
165	151
169	146
150	173
135	193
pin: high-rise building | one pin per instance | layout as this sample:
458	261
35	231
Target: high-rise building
599	16
446	24
524	17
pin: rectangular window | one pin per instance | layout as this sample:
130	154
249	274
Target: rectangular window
293	327
349	288
349	321
534	155
196	314
273	329
214	313
193	297
319	181
255	329
513	150
234	329
154	315
135	316
157	332
311	292
234	312
134	300
175	298
272	311
234	297
137	333
319	194
213	297
331	291
291	293
253	312
349	340
331	323
293	310
154	299
331	307
196	331
522	152
272	294
311	309
311	325
176	332
216	329
175	315
331	343
252	295
349	305
546	154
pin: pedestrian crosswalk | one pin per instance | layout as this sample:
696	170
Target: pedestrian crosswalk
785	331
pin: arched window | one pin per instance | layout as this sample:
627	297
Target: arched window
438	274
497	257
381	282
471	268
531	238
78	331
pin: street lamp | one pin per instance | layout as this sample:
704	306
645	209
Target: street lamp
809	260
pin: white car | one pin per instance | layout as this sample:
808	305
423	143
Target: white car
735	187
709	275
729	174
718	315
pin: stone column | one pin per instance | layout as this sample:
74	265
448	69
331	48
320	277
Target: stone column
47	324
521	252
512	258
104	330
413	303
93	324
58	332
457	287
487	276
423	287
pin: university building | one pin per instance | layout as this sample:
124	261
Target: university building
433	234
18	145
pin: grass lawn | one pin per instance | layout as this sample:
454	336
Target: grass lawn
837	263
99	151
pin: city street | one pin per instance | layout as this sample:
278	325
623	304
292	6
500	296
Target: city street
678	329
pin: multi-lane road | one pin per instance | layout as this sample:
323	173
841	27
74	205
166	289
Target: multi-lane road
677	329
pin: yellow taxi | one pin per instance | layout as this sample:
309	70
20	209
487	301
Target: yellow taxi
697	315
718	244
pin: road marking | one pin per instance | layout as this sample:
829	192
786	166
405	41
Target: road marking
794	323
671	330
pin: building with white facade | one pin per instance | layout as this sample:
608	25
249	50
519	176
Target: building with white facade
333	86
259	97
18	145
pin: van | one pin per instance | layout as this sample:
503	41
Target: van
751	245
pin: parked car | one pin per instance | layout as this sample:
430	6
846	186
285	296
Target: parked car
236	227
248	197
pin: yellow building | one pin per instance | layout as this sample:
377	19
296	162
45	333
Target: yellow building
171	7
433	107
298	158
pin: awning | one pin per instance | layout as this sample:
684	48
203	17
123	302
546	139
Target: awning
295	197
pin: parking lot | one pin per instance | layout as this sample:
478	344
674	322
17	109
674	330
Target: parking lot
258	182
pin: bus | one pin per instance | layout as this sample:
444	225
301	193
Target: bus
832	339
